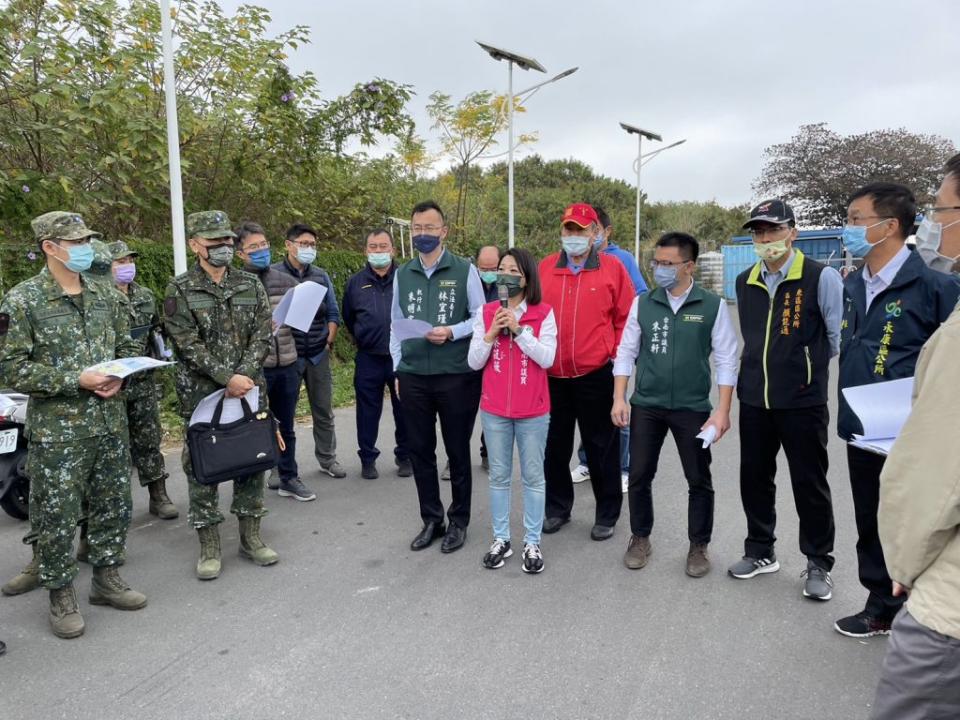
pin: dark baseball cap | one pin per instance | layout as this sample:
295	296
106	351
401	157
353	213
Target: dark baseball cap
774	211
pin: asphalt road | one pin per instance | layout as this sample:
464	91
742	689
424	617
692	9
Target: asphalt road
352	624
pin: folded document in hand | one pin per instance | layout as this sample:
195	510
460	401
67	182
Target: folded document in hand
882	408
123	367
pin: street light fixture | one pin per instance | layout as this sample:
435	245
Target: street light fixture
647	157
524	63
641	134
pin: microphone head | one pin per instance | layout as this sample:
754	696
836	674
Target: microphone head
503	293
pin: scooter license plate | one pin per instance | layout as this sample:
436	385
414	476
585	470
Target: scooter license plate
8	440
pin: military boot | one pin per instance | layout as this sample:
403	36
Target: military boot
160	503
208	566
65	619
28	579
251	546
108	588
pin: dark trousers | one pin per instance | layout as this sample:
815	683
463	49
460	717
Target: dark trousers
283	390
865	468
648	429
585	401
455	399
802	432
371	373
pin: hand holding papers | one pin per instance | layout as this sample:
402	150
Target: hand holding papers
410	329
708	436
299	306
122	367
232	409
882	409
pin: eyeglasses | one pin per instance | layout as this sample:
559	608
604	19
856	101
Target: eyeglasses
303	244
856	220
931	211
426	229
664	263
761	231
258	246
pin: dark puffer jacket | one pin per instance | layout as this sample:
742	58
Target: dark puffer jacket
313	343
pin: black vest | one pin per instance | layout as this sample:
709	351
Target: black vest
786	353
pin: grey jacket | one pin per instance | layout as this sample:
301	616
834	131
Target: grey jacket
283	348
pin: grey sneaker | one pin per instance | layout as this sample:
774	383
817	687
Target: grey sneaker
334	470
750	567
445	474
295	489
818	585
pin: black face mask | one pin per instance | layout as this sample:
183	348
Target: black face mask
511	283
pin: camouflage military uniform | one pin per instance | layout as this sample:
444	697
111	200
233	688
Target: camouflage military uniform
217	330
78	441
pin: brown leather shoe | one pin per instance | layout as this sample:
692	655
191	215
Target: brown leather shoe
638	552
698	564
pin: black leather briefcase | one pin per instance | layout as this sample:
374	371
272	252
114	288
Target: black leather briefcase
240	448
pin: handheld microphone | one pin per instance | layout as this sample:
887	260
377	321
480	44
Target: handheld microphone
503	293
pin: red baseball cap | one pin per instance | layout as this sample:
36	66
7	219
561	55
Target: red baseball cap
580	214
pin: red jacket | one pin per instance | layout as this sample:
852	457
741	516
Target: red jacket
590	308
514	386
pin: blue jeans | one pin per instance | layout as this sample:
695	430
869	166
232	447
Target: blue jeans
283	390
624	451
531	436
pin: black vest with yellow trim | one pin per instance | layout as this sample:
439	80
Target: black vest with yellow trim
786	353
440	299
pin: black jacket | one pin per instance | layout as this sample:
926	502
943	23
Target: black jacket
313	343
884	342
366	305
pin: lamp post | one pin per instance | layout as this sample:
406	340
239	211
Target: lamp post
641	134
524	63
173	142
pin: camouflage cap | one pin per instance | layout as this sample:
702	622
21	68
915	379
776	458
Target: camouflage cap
209	224
119	250
61	225
102	258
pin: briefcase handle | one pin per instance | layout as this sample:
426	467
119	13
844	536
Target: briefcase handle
247	412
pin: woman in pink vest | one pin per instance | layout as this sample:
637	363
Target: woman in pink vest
514	346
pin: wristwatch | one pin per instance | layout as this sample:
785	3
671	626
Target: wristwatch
522	329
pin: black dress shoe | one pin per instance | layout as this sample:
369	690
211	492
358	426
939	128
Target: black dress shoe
454	539
551	525
601	532
431	531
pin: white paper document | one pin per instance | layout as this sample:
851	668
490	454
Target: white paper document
882	408
298	306
708	436
122	367
232	409
410	329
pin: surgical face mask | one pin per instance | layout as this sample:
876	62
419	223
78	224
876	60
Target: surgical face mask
929	238
80	258
771	251
599	241
306	255
575	245
855	239
510	282
488	276
426	244
665	277
259	259
379	260
124	274
220	255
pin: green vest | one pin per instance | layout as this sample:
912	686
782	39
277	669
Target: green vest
440	299
673	365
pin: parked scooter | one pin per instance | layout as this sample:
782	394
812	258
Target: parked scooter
14	484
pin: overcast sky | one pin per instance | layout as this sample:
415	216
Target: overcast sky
730	76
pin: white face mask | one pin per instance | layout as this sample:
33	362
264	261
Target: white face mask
929	238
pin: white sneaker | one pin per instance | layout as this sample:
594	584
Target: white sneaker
581	473
624	480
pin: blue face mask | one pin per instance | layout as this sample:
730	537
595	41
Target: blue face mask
306	255
855	239
665	277
426	244
599	241
260	259
81	258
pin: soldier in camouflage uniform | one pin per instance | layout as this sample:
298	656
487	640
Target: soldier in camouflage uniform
142	393
218	319
52	327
